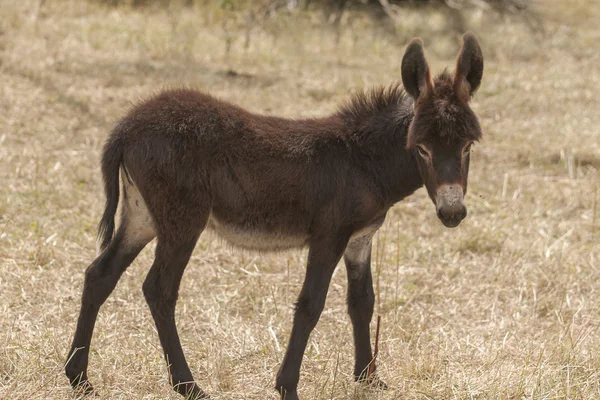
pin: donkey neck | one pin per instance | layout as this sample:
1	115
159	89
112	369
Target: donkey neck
378	123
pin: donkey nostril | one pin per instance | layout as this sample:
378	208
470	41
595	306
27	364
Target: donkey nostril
446	213
440	214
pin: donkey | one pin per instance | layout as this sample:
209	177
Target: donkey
187	162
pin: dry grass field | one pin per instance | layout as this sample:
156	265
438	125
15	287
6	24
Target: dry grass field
506	306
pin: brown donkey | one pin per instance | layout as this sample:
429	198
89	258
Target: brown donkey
190	162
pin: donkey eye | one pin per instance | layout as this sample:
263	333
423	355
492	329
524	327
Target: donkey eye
422	151
467	149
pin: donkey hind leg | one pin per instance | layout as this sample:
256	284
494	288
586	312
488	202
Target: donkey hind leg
161	289
361	301
323	257
101	277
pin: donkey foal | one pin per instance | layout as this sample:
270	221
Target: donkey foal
187	162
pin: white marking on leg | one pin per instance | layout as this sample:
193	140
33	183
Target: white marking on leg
359	248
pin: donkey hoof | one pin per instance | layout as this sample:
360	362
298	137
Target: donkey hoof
372	382
83	387
200	395
288	394
378	384
191	391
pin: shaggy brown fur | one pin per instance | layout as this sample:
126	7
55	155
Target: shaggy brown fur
193	162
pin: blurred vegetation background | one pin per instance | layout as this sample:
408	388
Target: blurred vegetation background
333	10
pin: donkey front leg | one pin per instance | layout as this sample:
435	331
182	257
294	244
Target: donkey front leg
361	301
323	257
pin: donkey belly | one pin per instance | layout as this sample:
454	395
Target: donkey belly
256	238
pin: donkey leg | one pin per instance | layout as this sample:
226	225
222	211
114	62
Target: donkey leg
161	289
101	277
361	301
323	257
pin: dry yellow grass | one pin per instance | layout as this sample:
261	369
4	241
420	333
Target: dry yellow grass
507	306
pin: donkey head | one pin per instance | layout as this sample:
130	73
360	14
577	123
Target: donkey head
444	127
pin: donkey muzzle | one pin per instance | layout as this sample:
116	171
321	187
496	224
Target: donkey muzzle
450	206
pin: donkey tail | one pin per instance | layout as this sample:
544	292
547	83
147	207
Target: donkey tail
112	159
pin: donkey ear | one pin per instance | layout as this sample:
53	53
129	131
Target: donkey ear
415	71
469	68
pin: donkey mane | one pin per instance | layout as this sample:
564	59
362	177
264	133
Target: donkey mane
378	99
379	113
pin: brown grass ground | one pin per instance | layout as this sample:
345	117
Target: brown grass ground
507	306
